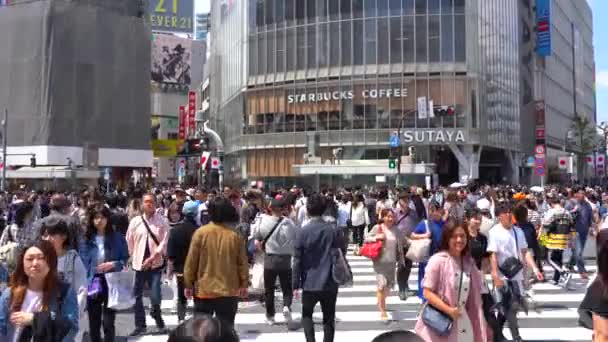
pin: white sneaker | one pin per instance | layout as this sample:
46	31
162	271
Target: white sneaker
270	321
287	314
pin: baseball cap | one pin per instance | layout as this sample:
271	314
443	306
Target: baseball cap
190	208
483	204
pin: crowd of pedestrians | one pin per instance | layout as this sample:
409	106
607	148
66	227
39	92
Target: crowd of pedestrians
478	250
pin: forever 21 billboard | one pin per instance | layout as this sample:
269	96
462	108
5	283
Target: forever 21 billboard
171	15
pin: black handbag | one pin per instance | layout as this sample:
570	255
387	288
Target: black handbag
437	320
512	266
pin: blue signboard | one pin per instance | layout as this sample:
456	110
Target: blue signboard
543	27
394	140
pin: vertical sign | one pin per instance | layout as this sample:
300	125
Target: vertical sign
540	150
182	123
543	27
191	112
423	108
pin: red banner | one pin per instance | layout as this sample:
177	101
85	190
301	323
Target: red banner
191	112
183	121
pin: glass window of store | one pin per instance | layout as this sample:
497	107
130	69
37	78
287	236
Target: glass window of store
370	41
421	39
383	41
346	41
280	44
395	40
434	40
407	33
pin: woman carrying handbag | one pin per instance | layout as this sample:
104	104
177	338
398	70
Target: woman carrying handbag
452	286
385	266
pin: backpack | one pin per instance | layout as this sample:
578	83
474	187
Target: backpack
9	252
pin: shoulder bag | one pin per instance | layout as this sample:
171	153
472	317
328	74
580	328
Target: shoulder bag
438	321
372	250
154	238
512	266
340	271
271	232
9	253
419	250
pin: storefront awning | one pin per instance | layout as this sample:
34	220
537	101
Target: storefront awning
362	167
50	172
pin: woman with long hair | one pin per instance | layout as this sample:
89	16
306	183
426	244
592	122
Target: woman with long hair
452	285
359	219
595	303
38	305
392	253
103	251
174	214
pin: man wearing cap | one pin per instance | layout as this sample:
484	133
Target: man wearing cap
177	251
180	195
276	234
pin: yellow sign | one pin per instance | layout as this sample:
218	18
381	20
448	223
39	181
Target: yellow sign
166	148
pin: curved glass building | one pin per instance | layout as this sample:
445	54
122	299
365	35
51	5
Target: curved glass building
307	82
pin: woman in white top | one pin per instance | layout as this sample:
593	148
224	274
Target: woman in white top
38	303
359	219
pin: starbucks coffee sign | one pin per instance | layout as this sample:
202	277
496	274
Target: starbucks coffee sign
347	95
434	136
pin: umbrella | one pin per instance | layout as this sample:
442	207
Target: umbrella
457	185
537	189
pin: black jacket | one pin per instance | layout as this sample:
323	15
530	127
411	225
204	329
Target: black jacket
312	261
180	237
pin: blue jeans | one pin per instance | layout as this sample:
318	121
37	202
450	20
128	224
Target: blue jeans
153	278
579	248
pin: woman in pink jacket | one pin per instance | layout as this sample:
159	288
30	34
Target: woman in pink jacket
444	290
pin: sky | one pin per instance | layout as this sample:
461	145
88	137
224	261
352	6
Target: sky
600	31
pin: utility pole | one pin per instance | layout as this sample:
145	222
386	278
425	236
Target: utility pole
4	139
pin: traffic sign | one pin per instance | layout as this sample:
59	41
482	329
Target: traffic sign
394	140
540	171
530	161
539	162
540	149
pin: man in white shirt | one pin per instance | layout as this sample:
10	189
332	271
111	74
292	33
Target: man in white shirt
507	241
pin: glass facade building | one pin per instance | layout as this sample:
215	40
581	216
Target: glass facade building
349	73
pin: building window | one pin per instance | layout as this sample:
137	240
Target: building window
421	39
421	6
382	8
270	52
434	48
300	11
433	6
447	38
459	6
407	35
280	51
357	8
358	42
259	13
383	42
262	53
447	6
395	36
290	12
394	7
252	55
346	39
345	10
334	9
334	44
322	47
370	8
460	38
311	14
269	12
322	10
311	47
290	43
407	6
370	41
279	12
301	51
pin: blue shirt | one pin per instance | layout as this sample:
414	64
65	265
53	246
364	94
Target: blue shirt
584	217
436	229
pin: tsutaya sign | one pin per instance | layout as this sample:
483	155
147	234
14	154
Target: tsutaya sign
346	95
434	136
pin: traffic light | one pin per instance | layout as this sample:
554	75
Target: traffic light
33	161
392	163
444	110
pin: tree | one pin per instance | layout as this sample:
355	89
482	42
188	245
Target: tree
585	137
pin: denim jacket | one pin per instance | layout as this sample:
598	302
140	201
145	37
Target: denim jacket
116	251
66	315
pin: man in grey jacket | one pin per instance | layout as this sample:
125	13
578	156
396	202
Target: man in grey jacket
276	234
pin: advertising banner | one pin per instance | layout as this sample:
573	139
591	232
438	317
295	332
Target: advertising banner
191	112
171	15
540	149
171	59
182	122
166	148
543	27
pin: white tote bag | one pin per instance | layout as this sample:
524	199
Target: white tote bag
120	290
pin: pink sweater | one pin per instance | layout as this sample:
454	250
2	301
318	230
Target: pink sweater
439	280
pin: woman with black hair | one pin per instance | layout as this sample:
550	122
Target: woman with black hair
103	251
22	231
203	328
595	303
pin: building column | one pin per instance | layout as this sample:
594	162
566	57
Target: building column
514	159
468	161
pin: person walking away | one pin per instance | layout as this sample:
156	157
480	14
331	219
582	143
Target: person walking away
429	229
312	265
120	220
69	264
343	215
582	223
359	219
406	220
507	243
453	285
60	209
38	306
276	236
217	264
595	302
453	208
147	240
103	251
559	226
180	237
392	254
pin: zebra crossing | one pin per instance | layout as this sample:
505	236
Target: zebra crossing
358	319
